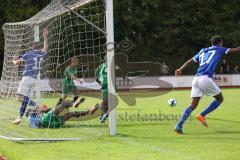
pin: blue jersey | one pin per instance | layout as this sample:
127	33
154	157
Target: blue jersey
208	59
33	60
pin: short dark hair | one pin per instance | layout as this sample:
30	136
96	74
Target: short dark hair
215	40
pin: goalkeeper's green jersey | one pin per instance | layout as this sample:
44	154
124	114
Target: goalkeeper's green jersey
101	74
49	120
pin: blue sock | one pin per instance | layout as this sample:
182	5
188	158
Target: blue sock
185	115
24	105
32	103
214	105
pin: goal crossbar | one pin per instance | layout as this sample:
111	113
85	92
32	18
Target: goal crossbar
86	20
64	9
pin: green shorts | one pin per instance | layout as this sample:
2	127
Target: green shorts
49	120
104	92
69	87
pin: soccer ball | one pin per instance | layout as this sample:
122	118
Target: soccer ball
172	102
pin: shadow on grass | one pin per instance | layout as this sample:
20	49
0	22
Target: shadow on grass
135	124
122	135
215	133
67	126
224	120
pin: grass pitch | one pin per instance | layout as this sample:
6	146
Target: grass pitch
145	131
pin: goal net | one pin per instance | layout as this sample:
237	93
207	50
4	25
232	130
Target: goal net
76	28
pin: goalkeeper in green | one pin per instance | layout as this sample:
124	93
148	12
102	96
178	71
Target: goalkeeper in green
68	85
44	117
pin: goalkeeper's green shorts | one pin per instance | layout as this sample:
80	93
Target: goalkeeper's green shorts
49	120
68	87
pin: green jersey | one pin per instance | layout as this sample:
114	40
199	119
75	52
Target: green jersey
68	84
68	73
49	120
101	74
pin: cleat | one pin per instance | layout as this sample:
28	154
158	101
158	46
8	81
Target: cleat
202	120
17	121
101	116
78	102
75	98
104	118
178	130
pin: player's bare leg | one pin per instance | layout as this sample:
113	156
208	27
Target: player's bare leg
64	96
186	114
213	106
195	102
219	98
65	104
78	114
20	98
59	108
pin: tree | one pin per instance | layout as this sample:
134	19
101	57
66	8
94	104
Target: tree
173	31
162	31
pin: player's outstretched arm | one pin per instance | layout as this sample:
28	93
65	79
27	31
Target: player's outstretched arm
178	72
45	36
76	78
123	75
234	50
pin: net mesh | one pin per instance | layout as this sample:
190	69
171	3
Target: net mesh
69	35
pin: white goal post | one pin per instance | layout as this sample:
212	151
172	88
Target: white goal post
111	66
77	28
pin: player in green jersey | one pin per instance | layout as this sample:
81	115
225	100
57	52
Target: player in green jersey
68	85
44	117
101	78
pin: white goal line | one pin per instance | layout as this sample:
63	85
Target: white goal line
39	139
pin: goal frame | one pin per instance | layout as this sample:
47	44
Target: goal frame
109	33
111	67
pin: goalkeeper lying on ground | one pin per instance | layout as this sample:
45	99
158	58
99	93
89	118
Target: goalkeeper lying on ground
44	117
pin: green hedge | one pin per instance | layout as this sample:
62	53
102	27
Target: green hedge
161	31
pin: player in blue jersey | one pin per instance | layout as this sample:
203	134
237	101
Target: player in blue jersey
203	83
32	64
